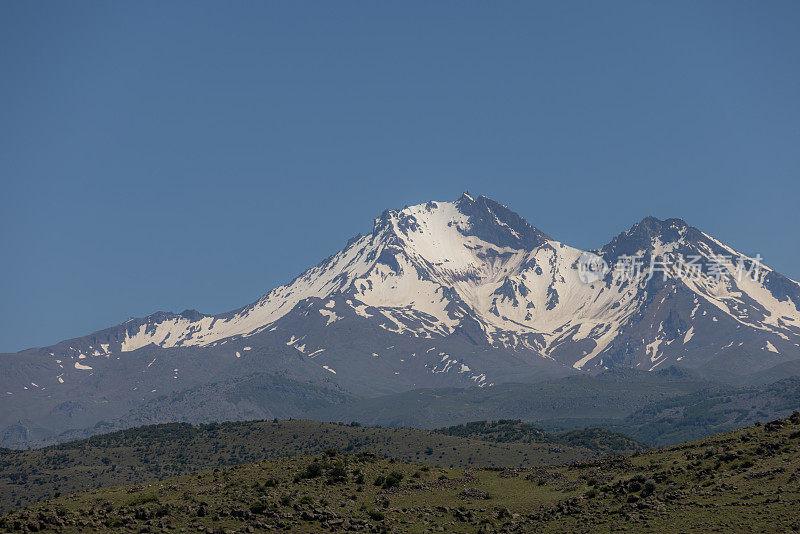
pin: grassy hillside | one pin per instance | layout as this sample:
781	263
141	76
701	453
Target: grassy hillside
743	480
154	452
599	440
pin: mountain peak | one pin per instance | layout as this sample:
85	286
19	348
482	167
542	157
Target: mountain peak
655	226
466	196
479	217
646	234
496	223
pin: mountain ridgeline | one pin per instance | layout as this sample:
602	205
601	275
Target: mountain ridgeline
463	295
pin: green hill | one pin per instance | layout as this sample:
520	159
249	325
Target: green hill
745	480
599	440
153	452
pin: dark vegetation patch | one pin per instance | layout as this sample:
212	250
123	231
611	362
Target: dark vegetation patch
745	480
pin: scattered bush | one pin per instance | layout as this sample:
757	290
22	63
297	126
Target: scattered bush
337	474
392	480
313	470
258	507
376	515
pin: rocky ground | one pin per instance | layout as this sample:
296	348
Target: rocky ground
743	480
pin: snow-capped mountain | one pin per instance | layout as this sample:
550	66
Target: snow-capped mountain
462	293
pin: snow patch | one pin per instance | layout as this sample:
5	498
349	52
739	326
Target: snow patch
689	335
330	316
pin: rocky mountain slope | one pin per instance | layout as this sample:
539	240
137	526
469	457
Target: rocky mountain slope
442	294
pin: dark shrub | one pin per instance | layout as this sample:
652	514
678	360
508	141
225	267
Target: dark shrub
337	474
313	470
392	480
258	508
376	515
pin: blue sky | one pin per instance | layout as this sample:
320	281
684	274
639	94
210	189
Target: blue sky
172	155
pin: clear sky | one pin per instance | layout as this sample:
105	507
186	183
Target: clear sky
173	155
